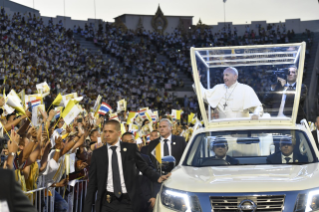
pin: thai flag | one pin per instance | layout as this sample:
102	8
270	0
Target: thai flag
35	103
148	138
143	113
104	108
154	118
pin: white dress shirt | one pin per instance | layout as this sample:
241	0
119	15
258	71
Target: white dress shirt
109	180
169	138
283	99
283	160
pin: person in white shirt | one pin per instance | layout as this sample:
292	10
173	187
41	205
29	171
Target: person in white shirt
220	148
280	99
233	99
287	153
113	173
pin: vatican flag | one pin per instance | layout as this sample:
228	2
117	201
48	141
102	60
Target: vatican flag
57	100
176	114
190	117
131	117
43	89
7	110
14	101
71	111
97	104
123	130
22	97
66	98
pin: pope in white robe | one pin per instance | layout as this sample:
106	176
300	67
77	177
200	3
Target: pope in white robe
233	99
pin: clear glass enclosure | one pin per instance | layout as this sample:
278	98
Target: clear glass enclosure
248	83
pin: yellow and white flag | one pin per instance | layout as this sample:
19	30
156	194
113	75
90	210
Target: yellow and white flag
14	101
131	117
190	117
176	114
114	116
72	96
22	97
43	89
69	163
123	129
97	104
57	100
7	110
71	111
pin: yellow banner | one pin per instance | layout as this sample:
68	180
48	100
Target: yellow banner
158	151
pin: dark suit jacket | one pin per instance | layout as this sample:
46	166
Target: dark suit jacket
146	186
272	100
11	192
178	145
230	160
276	158
144	149
315	136
132	163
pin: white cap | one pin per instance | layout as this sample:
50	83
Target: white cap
234	69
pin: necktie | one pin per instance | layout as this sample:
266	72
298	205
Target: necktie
287	159
116	174
291	88
166	152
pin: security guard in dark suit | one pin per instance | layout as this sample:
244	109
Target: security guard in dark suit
11	195
113	173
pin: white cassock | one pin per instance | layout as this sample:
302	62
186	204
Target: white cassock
233	102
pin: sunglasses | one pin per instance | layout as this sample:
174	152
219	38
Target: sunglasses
286	143
219	146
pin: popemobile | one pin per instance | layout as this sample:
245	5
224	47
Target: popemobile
253	153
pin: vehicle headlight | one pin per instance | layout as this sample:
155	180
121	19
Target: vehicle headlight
308	202
180	201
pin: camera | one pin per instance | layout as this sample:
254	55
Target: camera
282	73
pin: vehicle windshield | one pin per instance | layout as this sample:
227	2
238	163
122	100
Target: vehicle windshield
250	147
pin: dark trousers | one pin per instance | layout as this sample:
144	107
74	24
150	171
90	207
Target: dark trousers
122	204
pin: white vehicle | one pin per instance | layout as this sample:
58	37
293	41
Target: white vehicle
240	164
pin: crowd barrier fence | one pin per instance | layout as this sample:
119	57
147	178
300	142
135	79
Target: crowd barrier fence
74	194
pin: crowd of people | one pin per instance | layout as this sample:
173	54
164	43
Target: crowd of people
38	154
36	51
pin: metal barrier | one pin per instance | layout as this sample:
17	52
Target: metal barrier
74	196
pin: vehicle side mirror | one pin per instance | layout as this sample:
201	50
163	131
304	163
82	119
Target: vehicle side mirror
168	164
